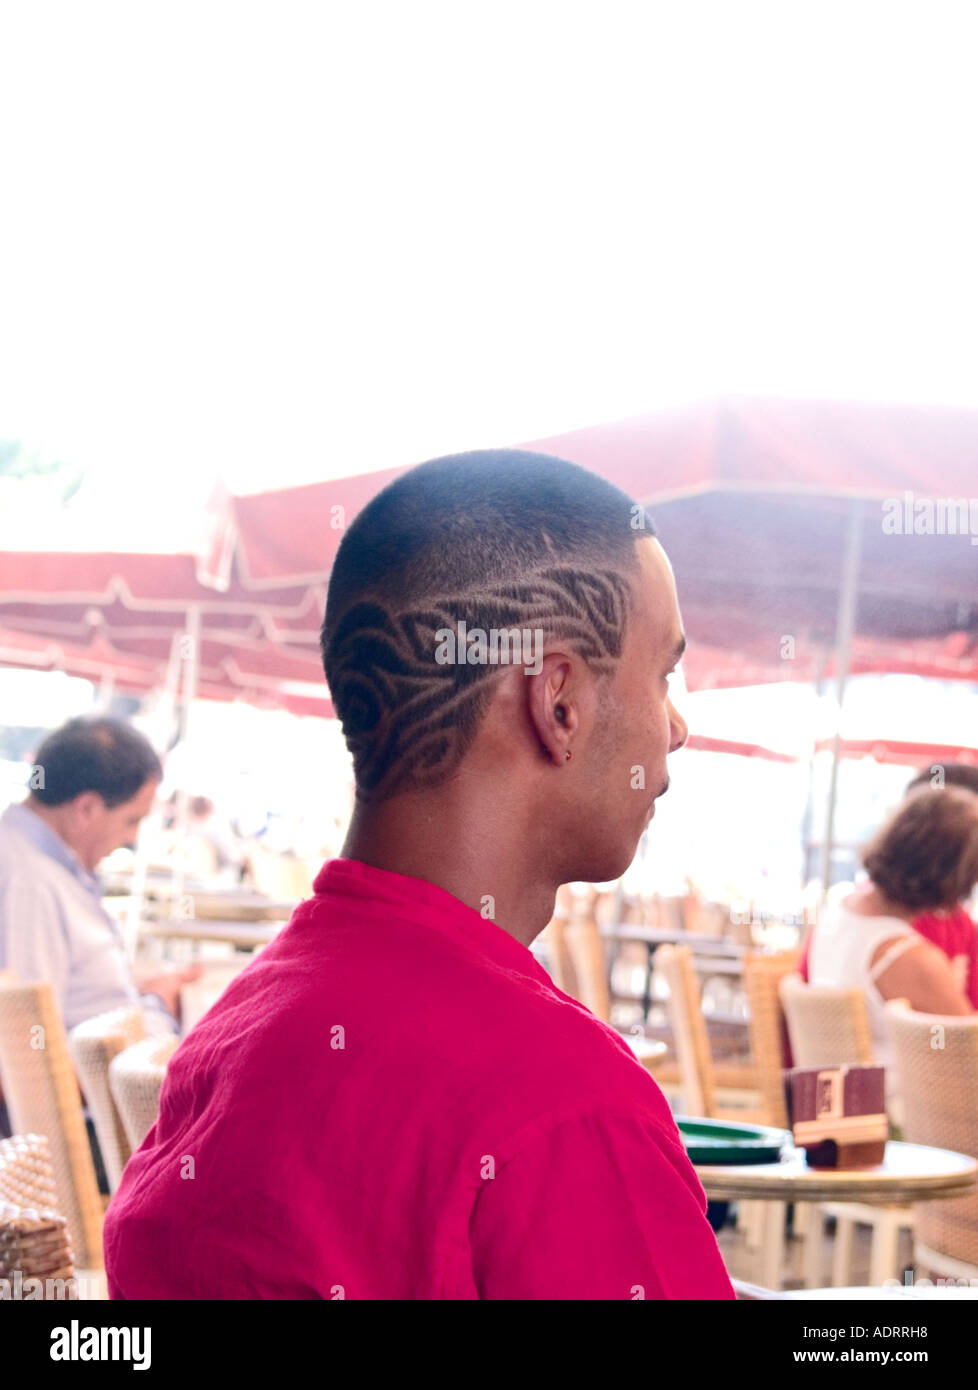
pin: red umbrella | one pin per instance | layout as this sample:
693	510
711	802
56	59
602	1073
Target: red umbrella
268	679
753	500
807	537
798	531
128	617
905	753
881	750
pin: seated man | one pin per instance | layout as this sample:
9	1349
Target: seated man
394	1100
94	781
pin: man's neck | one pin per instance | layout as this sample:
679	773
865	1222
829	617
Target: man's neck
471	853
55	822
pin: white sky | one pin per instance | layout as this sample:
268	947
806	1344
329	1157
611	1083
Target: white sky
287	241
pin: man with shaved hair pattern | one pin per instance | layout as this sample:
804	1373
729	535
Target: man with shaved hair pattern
408	721
394	1100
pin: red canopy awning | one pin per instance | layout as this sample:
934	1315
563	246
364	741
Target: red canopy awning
897	751
881	750
269	679
118	614
703	743
750	498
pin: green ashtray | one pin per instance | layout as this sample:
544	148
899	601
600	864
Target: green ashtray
721	1141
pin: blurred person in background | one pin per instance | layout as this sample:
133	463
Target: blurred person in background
953	930
94	780
950	929
924	860
205	825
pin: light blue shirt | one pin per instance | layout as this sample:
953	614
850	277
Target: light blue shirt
53	926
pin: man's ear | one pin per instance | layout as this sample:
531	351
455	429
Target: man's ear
553	707
87	804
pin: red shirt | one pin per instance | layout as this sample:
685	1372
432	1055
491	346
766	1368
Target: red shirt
395	1101
957	938
954	934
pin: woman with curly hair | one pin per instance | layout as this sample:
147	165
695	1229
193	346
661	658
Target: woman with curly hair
923	860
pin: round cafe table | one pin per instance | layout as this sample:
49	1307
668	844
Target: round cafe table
859	1292
232	933
908	1173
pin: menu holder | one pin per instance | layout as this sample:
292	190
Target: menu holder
838	1115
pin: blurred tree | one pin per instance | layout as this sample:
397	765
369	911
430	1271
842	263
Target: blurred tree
17	462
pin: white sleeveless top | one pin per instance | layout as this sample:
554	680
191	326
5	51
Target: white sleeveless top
842	947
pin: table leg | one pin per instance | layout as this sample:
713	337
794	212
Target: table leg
772	1244
611	953
884	1249
842	1252
647	990
814	1238
750	1220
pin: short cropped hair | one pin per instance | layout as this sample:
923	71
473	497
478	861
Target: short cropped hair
100	755
926	855
500	539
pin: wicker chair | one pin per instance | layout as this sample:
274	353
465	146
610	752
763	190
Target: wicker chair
93	1044
939	1085
582	938
830	1027
26	1179
279	876
135	1079
763	973
34	1243
827	1027
768	1030
43	1098
764	1223
554	940
697	1074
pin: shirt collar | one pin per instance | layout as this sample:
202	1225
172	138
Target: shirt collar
432	906
42	837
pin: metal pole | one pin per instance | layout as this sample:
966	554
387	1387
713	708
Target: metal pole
162	727
845	622
809	863
167	708
190	653
137	888
105	693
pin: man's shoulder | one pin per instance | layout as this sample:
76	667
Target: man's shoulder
15	831
522	1043
580	1045
447	1008
35	891
21	861
12	837
24	863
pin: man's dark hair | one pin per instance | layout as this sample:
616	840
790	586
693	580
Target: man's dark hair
947	775
100	755
500	539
